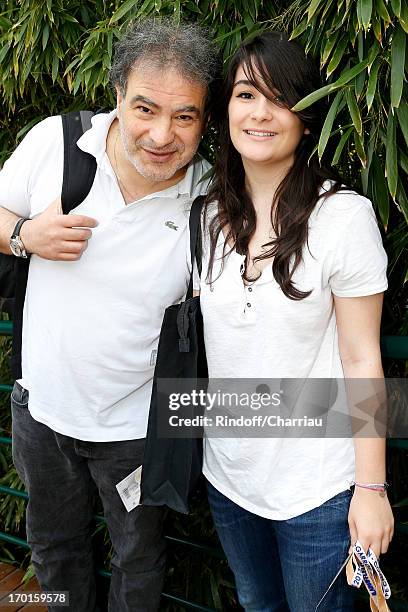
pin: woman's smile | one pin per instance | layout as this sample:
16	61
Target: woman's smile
256	118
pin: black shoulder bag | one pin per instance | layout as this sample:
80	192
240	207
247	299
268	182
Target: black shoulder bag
172	466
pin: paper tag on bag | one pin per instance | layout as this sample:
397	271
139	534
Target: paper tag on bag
129	489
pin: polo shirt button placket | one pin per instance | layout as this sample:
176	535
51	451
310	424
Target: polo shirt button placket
249	306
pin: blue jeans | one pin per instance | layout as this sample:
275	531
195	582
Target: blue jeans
282	566
62	476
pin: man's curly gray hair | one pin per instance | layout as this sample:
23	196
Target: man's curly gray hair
160	43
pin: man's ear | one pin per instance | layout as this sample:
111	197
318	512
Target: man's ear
119	96
306	131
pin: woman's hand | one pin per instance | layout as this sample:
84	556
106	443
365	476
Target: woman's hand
371	520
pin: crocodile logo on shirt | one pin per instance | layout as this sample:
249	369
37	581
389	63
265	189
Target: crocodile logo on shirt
171	225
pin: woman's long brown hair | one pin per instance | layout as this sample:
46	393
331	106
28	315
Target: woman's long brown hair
284	68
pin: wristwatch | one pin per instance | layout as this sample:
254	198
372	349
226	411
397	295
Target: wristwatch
16	244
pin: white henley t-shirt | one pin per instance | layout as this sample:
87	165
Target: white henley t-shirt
91	327
257	332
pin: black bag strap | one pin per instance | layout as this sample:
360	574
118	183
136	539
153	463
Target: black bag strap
79	167
78	177
196	250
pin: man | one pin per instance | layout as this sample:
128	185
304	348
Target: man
99	281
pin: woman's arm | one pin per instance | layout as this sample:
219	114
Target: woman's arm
358	323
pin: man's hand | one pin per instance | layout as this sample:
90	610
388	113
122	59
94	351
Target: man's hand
52	235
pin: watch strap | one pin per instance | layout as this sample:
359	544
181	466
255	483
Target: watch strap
16	231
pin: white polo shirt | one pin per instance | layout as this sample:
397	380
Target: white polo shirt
257	332
91	327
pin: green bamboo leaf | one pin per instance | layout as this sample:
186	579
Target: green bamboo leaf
349	74
27	128
312	98
381	198
248	22
149	5
360	43
313	6
26	69
328	124
372	83
337	55
326	10
110	43
358	15
15	64
340	146
228	34
45	35
397	65
88	63
382	12
5	23
403	161
377	29
124	8
402	115
403	19
359	144
328	48
195	9
366	8
72	64
396	7
324	91
299	29
70	18
391	163
3	52
365	172
310	35
373	52
359	83
253	10
402	203
54	68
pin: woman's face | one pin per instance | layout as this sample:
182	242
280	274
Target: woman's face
262	130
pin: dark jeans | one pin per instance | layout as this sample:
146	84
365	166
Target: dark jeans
286	565
62	475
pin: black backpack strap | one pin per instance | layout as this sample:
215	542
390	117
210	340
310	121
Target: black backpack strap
79	167
78	178
21	276
195	239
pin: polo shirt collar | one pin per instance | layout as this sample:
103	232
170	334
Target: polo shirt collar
93	141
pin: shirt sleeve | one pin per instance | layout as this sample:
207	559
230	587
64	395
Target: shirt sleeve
15	176
360	262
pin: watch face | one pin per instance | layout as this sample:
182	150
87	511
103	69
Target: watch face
17	248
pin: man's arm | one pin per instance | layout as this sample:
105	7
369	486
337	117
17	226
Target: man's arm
50	235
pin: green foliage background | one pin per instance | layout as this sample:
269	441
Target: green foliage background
55	56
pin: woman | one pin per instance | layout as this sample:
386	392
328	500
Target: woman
292	285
